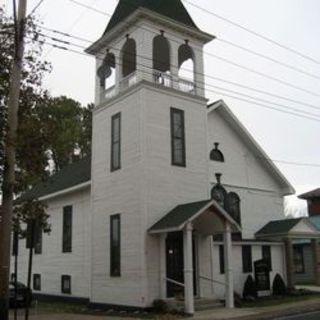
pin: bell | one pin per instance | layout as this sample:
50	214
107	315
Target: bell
103	73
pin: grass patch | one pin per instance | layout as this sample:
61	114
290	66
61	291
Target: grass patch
60	307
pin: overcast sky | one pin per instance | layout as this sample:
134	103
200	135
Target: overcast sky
293	23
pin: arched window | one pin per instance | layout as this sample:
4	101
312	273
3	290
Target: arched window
106	72
129	57
161	54
216	154
161	61
219	194
186	68
233	206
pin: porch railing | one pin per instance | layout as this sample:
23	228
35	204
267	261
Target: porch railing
162	78
212	280
187	86
175	282
128	81
109	92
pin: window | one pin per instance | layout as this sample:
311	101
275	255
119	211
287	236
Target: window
266	255
233	206
37	282
246	259
221	258
66	284
178	149
67	229
298	259
115	142
115	234
219	194
216	154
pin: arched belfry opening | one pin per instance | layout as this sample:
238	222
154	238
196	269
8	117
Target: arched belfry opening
186	68
107	71
129	58
161	54
161	60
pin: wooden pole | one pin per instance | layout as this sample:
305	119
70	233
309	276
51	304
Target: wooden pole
9	163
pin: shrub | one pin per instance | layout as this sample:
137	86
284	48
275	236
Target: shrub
160	306
250	289
279	287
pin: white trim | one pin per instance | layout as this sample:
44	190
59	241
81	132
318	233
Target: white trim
65	191
143	13
228	115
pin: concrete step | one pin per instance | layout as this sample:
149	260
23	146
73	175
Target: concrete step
207	304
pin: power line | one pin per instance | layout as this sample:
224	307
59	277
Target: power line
261	55
259	35
206	75
36	8
264	158
293	112
288	84
210	85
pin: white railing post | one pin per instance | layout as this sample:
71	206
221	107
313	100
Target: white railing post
228	265
188	269
163	281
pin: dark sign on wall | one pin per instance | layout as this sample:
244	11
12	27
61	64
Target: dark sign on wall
262	275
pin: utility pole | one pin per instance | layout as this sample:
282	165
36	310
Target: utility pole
10	160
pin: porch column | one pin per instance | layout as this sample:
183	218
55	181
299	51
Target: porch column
315	246
289	263
228	265
188	269
162	252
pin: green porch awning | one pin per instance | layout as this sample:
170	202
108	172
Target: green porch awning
206	214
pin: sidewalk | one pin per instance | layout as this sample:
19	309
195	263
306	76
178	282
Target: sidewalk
261	313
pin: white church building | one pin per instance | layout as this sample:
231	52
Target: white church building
171	202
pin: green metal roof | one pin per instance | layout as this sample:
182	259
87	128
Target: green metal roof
179	215
278	226
173	9
68	177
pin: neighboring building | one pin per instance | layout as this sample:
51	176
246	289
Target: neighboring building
306	253
313	199
169	175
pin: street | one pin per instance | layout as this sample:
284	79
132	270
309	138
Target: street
305	316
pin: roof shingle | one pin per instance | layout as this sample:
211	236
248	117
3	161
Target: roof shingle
173	9
70	176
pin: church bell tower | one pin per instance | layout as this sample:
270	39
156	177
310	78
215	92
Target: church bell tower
149	148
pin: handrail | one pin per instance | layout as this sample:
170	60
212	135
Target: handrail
175	282
214	281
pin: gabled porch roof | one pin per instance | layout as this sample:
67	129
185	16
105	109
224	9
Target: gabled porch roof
207	216
300	228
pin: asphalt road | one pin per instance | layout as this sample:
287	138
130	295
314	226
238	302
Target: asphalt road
305	316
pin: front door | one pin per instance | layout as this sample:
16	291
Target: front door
175	265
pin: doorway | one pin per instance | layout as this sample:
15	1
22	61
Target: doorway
175	264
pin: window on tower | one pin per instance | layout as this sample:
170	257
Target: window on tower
161	61
106	74
186	68
178	149
115	142
129	58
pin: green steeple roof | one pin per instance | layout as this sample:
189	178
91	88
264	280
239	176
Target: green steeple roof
173	9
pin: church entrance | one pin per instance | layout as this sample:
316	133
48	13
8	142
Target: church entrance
175	265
